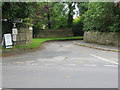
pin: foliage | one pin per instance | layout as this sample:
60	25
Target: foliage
101	17
28	21
83	7
50	15
71	7
12	10
78	22
78	27
45	15
58	16
1	4
96	16
115	27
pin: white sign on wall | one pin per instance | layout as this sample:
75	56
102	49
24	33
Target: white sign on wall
8	40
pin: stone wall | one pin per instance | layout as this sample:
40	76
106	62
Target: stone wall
108	38
54	33
24	36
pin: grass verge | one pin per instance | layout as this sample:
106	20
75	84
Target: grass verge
37	42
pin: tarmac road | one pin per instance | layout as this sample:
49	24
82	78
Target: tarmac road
61	65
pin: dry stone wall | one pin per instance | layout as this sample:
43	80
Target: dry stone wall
54	33
108	38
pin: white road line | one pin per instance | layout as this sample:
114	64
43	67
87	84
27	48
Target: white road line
90	65
103	59
70	64
111	65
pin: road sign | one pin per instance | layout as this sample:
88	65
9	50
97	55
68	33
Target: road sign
14	31
8	40
14	37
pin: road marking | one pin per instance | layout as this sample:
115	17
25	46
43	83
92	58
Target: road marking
111	65
103	59
70	64
90	65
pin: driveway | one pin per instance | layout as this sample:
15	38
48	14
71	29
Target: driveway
61	65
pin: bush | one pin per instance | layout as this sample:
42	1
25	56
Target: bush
78	27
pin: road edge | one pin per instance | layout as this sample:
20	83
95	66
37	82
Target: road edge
89	46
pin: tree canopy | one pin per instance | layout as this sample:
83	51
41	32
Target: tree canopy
102	16
95	16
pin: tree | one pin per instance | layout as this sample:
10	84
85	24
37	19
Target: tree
83	7
71	7
100	16
51	15
12	10
58	16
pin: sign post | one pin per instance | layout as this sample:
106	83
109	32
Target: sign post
14	34
15	30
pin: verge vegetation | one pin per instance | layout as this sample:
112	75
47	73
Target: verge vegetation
37	42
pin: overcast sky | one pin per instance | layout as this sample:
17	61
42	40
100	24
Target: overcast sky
76	10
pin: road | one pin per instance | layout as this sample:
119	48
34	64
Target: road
61	65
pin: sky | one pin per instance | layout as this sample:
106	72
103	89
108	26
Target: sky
76	10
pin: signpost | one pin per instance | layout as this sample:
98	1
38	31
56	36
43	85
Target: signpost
14	31
8	37
14	34
8	40
14	38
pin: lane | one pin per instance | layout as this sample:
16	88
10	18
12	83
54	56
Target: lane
61	65
104	59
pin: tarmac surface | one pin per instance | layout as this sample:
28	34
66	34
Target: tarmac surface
62	64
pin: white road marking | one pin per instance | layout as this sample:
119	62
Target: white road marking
103	59
90	65
70	64
111	65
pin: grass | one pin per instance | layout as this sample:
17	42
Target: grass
37	42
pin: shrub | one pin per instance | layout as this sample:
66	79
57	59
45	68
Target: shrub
78	27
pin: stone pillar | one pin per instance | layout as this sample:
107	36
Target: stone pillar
24	36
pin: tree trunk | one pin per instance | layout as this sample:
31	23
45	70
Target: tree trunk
49	24
70	16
